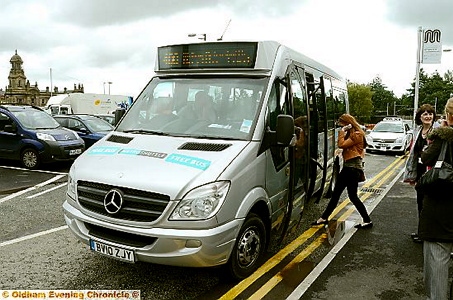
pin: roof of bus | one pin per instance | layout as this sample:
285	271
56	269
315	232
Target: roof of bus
267	52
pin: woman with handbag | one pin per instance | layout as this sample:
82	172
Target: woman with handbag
436	218
351	139
425	119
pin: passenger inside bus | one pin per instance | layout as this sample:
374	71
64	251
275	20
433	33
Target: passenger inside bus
202	108
162	111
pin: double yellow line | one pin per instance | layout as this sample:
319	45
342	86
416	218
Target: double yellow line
383	177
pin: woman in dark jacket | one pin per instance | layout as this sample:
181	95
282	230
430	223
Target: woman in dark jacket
436	218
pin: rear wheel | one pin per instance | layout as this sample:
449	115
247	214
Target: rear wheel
30	158
249	249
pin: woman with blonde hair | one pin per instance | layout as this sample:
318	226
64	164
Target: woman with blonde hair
351	139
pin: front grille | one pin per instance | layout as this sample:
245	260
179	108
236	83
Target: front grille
119	237
384	140
140	206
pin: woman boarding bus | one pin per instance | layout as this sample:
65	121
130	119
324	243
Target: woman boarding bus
212	190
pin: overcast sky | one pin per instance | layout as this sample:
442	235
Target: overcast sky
96	41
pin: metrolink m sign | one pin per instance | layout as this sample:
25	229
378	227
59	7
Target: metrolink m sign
431	46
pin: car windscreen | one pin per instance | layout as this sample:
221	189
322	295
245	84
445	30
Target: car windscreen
199	107
35	119
96	124
388	127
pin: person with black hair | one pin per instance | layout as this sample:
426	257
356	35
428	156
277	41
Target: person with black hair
425	121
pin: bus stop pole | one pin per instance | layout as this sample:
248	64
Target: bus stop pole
417	70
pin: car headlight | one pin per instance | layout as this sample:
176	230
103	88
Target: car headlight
399	140
71	184
45	137
202	203
369	139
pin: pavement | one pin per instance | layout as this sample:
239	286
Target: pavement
378	263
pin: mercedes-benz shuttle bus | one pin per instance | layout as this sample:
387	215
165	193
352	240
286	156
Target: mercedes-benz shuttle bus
213	161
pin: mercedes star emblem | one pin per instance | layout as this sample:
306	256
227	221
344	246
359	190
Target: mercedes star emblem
113	201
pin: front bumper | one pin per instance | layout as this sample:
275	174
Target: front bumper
386	147
176	247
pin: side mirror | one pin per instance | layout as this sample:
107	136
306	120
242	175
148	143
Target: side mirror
285	130
119	113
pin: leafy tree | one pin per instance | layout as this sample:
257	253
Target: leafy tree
384	101
360	104
434	89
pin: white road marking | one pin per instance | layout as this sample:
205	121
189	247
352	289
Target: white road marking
32	236
39	171
46	191
31	188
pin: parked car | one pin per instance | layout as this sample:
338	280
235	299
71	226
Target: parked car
89	127
392	134
29	134
107	117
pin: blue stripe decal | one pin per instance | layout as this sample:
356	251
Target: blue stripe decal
104	150
189	161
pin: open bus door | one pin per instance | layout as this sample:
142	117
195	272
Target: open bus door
318	136
299	152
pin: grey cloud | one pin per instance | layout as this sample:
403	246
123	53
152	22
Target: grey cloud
110	12
434	14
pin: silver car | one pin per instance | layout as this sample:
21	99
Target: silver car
390	135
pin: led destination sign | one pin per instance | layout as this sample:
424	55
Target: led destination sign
207	55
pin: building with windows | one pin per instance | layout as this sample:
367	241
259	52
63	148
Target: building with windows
20	91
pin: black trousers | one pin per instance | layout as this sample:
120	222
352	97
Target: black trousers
349	179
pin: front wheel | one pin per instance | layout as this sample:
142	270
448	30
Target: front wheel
30	158
249	249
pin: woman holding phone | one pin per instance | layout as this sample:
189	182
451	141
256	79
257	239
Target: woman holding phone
351	139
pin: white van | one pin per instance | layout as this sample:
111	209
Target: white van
215	157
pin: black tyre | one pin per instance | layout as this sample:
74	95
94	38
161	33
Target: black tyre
249	248
30	158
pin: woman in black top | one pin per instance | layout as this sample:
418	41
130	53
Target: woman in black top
425	119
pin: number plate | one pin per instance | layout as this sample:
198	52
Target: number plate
75	151
112	251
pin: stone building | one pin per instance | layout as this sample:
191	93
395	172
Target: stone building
20	91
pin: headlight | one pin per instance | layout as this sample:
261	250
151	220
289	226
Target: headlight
71	184
202	203
399	140
369	139
45	137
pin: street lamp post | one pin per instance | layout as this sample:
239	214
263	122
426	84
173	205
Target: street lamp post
109	83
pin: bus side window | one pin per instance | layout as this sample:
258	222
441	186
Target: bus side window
275	107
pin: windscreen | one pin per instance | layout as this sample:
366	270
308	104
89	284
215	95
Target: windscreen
224	108
389	127
35	119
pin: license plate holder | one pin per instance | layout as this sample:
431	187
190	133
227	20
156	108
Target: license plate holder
112	251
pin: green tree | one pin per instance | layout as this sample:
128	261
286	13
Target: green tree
384	101
433	89
360	104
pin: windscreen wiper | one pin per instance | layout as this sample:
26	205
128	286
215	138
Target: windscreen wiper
142	131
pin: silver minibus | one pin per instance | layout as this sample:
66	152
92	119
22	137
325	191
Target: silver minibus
214	159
